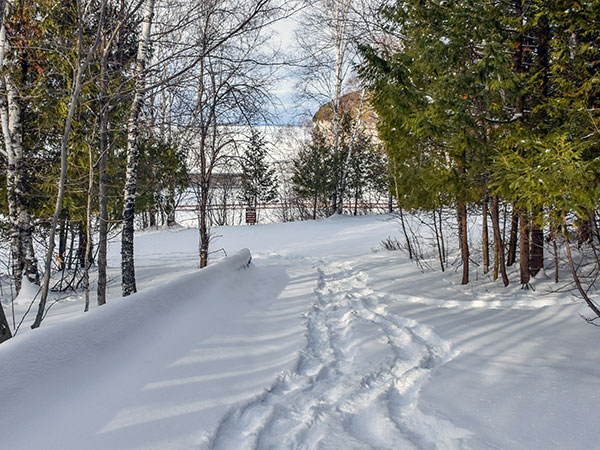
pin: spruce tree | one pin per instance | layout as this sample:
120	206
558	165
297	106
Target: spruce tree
313	171
259	181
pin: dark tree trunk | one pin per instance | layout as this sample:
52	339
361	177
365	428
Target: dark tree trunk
5	332
485	237
498	244
584	232
82	245
524	248
408	246
62	242
463	239
71	246
442	236
555	248
536	257
203	225
437	240
512	243
102	184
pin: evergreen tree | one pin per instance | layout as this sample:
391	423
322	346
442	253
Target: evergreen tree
259	181
313	171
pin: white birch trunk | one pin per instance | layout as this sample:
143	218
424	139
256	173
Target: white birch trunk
127	261
24	260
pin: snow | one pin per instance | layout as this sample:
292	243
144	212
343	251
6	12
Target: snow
325	341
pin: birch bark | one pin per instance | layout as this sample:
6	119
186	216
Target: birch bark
128	285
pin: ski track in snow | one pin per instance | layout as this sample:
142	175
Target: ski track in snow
356	384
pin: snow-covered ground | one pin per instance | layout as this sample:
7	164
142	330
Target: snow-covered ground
326	341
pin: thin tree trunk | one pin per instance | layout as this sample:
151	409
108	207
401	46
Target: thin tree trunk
88	232
498	244
83	242
485	237
555	248
102	186
512	243
62	241
81	68
410	252
204	231
128	284
464	241
524	248
496	261
315	207
444	256
437	240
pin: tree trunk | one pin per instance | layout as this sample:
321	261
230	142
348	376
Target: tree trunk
5	332
62	241
524	248
437	240
88	231
444	256
498	244
512	243
408	246
83	242
23	255
555	248
536	257
485	237
102	183
204	231
463	239
128	284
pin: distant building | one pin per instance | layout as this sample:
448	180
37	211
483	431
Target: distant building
349	105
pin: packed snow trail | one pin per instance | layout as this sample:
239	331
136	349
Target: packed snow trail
357	383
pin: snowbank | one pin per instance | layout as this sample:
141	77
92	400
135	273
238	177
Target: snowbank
36	362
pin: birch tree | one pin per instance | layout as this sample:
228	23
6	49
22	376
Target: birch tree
11	113
326	38
5	332
133	132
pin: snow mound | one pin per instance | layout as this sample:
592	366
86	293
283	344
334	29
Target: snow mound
35	364
28	293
